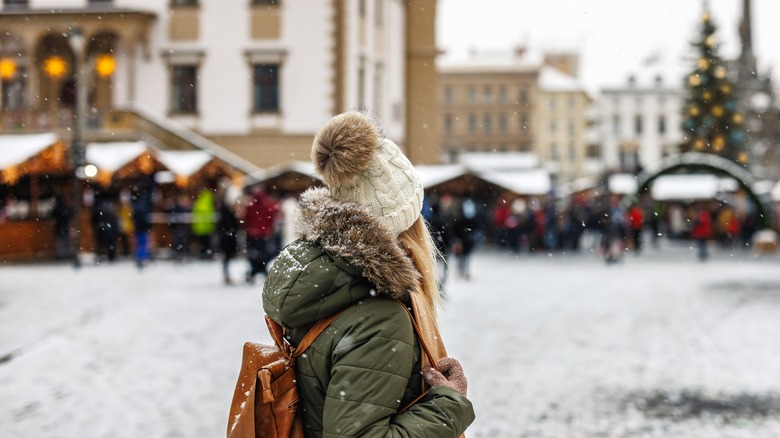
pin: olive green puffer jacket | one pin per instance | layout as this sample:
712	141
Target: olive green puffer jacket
365	367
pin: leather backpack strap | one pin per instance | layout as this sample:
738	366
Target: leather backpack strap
431	360
417	331
313	333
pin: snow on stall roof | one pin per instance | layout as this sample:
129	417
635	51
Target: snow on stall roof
776	192
113	155
680	187
15	149
184	163
528	182
622	184
499	161
431	175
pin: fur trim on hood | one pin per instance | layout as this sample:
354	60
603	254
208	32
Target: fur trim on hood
352	233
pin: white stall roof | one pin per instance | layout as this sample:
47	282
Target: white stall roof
15	149
499	161
432	175
776	192
184	163
681	187
622	184
531	182
112	156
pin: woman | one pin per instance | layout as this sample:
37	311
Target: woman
364	246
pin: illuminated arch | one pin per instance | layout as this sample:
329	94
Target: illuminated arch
696	162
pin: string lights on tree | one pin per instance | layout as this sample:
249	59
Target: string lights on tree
711	121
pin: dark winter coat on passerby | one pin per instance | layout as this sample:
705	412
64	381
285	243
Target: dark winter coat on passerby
105	224
366	366
227	227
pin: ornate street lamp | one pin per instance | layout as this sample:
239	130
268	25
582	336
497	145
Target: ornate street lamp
77	43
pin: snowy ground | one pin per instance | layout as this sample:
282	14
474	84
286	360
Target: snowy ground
660	345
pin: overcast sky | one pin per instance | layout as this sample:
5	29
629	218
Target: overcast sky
612	36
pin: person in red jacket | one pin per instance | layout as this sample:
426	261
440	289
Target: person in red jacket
259	220
702	230
636	221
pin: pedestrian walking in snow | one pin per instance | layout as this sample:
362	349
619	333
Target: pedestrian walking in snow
364	246
260	224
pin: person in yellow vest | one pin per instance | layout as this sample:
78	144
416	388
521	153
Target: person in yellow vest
204	222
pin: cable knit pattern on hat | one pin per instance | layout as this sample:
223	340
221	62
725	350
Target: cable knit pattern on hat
359	166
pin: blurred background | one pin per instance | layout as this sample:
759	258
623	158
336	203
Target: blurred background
147	136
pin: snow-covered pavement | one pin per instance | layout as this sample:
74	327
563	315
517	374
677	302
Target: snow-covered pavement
660	345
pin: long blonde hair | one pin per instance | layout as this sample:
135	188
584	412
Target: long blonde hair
418	244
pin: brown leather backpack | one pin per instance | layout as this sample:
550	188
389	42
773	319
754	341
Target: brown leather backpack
265	400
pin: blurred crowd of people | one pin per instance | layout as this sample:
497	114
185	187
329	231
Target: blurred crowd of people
603	225
217	222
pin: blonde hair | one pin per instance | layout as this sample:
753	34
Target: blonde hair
418	244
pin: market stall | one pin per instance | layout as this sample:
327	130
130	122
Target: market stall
33	169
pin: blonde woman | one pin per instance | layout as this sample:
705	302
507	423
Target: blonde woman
364	248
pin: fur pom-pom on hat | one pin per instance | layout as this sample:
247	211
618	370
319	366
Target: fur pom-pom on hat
344	147
360	166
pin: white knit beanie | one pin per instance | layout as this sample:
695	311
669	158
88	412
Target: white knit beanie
360	166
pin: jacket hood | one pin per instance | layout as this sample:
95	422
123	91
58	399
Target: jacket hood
349	231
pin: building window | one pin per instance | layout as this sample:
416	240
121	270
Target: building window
616	124
101	2
572	152
448	123
661	124
184	2
472	94
523	95
362	8
361	85
502	94
523	122
14	90
488	123
572	129
266	2
378	15
472	123
448	94
16	2
553	152
488	94
551	103
638	124
265	88
553	127
502	123
184	97
593	151
378	79
572	103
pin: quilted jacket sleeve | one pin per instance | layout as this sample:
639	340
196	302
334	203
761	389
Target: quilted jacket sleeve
371	368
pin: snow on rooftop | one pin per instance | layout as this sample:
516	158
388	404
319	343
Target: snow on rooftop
654	74
682	187
490	61
530	182
776	192
552	79
15	149
112	156
622	184
184	163
431	175
499	161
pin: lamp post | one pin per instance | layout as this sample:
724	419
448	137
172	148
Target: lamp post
77	43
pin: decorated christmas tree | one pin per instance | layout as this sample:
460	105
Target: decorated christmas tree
711	120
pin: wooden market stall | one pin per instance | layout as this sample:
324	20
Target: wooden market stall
33	169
